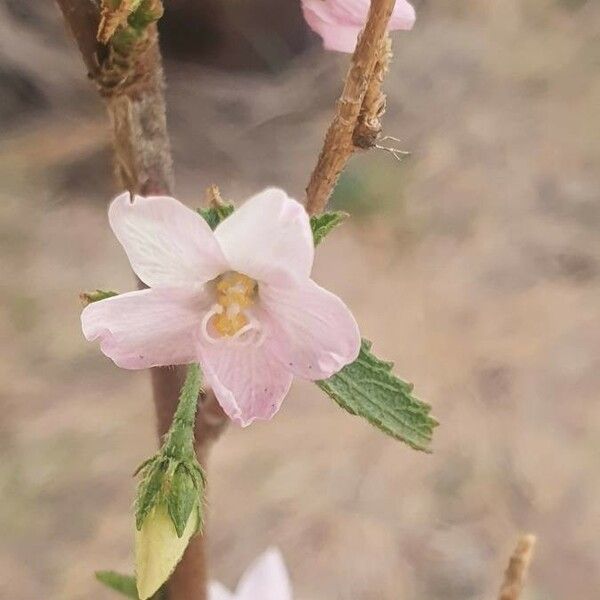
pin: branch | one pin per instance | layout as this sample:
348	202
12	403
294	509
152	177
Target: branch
368	125
339	144
83	19
128	74
514	576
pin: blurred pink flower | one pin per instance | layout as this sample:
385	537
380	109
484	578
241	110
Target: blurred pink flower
265	579
339	22
238	300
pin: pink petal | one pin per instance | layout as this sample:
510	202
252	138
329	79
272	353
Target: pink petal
403	18
167	243
216	591
314	332
335	37
270	232
339	22
266	579
248	382
147	328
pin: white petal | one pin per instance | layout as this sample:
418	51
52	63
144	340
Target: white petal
266	579
147	328
269	233
313	331
217	591
167	243
248	383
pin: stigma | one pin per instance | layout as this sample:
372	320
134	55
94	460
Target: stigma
235	293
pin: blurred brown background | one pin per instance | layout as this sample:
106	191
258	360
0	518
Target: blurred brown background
474	265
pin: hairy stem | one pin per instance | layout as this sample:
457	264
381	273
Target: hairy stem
179	439
338	145
130	78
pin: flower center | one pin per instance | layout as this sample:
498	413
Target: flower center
235	292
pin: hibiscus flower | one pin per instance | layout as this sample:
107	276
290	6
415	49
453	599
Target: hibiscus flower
239	300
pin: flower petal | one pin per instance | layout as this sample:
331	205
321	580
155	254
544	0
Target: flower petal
167	243
314	332
339	34
266	579
270	232
403	18
248	383
339	22
217	591
147	328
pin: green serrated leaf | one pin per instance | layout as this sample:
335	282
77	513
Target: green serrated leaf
183	497
123	584
95	296
213	215
368	388
149	488
324	223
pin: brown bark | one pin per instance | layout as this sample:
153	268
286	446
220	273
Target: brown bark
339	144
368	125
132	86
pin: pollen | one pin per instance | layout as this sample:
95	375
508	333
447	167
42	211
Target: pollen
235	293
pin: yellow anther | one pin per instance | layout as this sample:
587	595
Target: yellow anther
234	293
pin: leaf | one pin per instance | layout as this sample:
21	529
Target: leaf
213	215
368	388
95	296
324	223
123	584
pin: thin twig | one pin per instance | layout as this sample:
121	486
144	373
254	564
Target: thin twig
130	79
339	145
518	566
83	18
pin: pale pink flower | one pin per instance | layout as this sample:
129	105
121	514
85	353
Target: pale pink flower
339	22
266	579
239	300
